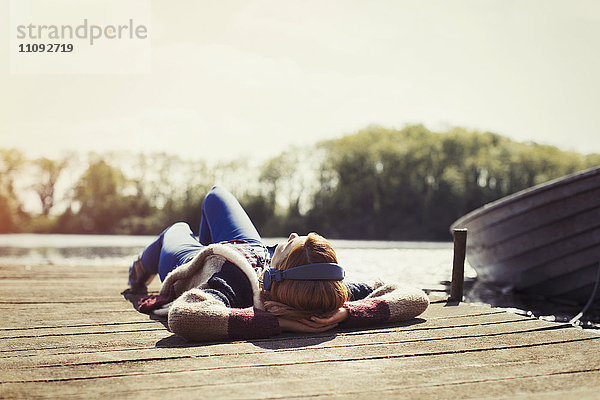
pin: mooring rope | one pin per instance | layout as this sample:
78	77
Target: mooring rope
589	302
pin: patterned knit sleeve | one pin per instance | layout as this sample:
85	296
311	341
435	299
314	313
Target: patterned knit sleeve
198	316
386	303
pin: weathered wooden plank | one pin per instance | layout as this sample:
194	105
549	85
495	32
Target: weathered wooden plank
91	342
557	351
105	318
342	349
344	377
87	356
24	316
152	333
16	323
148	341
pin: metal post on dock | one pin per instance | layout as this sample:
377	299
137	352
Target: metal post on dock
458	265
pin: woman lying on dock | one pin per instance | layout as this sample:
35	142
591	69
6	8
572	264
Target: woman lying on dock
229	285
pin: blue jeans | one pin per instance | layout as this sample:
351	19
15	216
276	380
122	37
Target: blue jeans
223	219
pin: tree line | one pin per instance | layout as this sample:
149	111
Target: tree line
377	183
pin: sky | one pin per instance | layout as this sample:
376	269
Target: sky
229	79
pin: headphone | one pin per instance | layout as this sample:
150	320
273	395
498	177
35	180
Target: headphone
309	272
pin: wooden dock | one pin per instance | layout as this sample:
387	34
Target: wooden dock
68	332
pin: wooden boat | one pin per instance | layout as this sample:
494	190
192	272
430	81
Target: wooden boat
544	240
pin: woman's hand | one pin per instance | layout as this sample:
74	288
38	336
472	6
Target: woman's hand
314	324
303	326
340	316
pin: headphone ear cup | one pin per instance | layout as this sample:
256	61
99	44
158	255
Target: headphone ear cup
266	280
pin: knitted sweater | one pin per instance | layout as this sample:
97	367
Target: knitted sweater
218	298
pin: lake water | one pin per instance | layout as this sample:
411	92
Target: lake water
427	265
422	264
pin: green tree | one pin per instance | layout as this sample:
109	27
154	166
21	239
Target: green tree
12	215
100	199
412	183
49	172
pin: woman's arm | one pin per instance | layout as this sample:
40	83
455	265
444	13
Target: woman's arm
199	316
387	303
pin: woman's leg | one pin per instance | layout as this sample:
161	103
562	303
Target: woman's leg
172	247
223	218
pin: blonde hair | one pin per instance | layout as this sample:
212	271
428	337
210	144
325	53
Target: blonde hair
298	299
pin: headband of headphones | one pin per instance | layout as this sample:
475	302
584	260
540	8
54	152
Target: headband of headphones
309	272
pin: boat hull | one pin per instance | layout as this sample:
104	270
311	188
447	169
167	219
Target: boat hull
544	240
